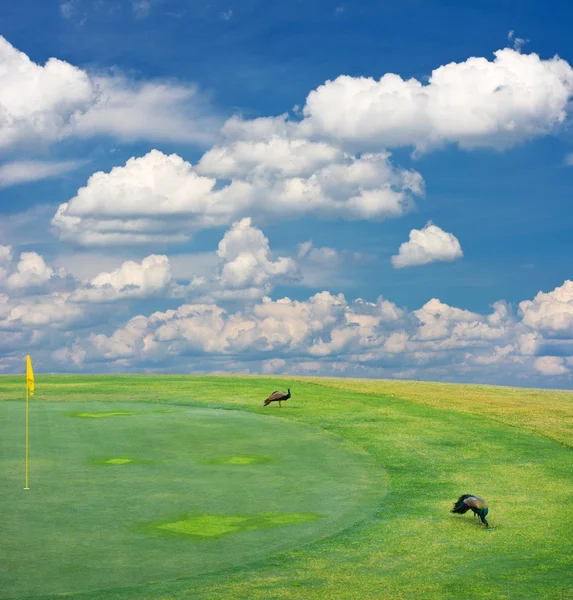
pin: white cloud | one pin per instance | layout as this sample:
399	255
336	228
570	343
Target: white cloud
273	365
275	156
550	365
58	100
476	103
164	198
259	129
85	265
14	173
550	313
427	245
243	268
438	320
132	111
37	313
149	199
324	334
131	280
247	261
568	160
30	276
31	271
35	101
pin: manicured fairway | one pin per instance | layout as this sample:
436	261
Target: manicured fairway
400	455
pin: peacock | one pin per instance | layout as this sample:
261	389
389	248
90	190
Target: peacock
470	502
277	397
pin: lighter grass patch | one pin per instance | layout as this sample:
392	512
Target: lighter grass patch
238	461
115	461
102	415
205	525
210	526
118	461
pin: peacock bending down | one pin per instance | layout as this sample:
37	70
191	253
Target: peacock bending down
470	502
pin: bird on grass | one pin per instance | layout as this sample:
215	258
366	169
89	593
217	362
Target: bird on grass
277	397
470	502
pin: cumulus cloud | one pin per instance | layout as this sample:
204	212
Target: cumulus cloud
40	312
550	365
30	275
476	103
38	101
57	100
14	173
426	245
278	168
550	313
164	198
131	280
242	268
247	261
327	333
31	271
258	129
325	327
274	156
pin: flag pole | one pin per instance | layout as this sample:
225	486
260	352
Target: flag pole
27	394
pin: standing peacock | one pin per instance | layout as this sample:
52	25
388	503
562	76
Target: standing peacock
277	397
470	502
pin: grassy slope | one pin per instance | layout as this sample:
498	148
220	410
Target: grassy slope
548	413
434	445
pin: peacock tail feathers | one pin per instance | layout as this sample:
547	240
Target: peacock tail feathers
460	507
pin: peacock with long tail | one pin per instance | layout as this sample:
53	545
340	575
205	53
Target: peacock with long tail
474	503
277	397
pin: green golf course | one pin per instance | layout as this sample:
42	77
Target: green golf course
169	487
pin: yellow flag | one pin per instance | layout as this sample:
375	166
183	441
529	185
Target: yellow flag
29	375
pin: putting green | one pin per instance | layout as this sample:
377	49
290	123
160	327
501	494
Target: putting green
124	493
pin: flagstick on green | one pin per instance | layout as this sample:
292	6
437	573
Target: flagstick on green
29	391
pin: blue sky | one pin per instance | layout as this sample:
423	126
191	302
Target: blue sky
492	210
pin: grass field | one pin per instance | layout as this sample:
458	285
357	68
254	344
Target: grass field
172	487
